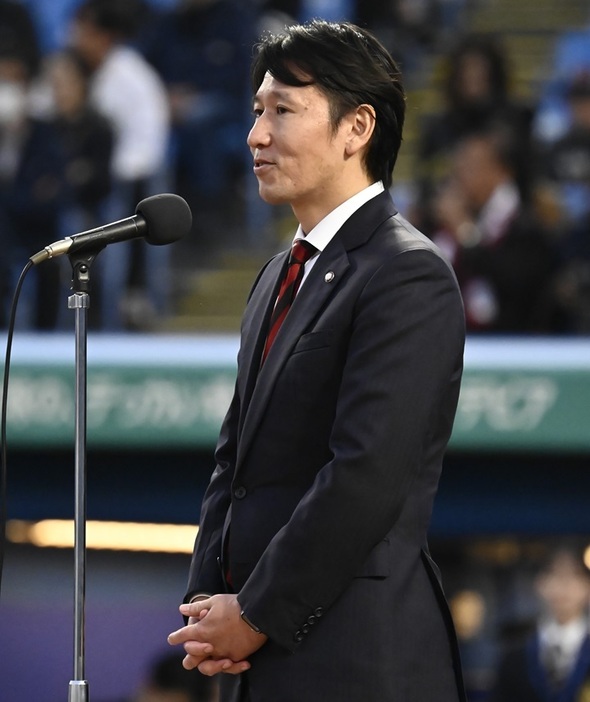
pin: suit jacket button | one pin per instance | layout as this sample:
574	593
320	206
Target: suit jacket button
240	492
311	620
318	611
298	636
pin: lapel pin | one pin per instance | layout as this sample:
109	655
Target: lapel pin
329	277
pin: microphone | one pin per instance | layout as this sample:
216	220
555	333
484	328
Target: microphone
160	219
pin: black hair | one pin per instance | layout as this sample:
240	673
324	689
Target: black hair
351	67
491	51
121	18
572	548
19	39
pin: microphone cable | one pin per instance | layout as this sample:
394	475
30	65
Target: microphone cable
3	452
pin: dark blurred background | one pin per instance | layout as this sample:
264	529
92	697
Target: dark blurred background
103	103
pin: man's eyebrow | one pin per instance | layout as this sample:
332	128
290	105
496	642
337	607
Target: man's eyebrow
277	93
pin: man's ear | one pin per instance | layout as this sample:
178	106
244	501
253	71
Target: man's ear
361	130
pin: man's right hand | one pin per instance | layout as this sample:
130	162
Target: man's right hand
201	652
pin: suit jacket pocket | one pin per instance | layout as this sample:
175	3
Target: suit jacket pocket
377	564
313	340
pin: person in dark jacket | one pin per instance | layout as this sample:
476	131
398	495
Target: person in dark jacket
553	664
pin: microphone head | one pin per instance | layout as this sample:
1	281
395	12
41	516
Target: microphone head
167	216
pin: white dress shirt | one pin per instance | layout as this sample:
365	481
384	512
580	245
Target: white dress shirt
561	643
325	230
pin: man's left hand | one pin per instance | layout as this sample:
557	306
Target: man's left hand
216	638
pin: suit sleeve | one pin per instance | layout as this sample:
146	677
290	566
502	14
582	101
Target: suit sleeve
205	574
405	347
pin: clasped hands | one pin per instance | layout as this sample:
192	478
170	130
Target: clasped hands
216	638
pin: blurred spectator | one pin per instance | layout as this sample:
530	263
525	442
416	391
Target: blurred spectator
87	139
568	159
32	192
500	250
553	665
570	57
567	167
408	28
168	681
202	49
572	285
476	92
18	34
130	93
478	652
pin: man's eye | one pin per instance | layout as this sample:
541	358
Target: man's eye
257	112
281	110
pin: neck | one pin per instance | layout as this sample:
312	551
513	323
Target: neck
310	214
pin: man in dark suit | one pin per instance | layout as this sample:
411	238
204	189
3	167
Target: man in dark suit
311	578
553	663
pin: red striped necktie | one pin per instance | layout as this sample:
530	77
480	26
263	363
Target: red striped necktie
301	251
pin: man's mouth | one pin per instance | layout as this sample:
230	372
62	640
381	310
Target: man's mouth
261	165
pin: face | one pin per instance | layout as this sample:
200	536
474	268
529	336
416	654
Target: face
564	589
476	170
68	85
92	43
474	78
298	158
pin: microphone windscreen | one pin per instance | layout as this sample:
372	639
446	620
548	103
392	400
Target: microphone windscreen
167	216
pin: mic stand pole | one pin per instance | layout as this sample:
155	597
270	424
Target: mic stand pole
80	302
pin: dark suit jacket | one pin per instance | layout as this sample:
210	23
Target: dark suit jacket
328	462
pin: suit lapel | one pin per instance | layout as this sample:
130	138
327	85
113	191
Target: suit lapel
254	327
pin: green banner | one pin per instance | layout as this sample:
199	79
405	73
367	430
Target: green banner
523	410
157	391
126	406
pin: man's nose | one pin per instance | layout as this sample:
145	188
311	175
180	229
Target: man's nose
259	135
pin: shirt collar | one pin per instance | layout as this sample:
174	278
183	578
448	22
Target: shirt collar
569	636
324	231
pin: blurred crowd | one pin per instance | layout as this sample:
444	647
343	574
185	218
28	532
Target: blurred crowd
507	199
106	102
529	641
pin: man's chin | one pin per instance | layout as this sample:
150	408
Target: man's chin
272	197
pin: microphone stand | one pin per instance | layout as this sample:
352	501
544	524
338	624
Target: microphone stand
79	301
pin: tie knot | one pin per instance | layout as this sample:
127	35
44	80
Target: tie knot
302	251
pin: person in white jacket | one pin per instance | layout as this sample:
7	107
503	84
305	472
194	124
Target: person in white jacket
126	89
